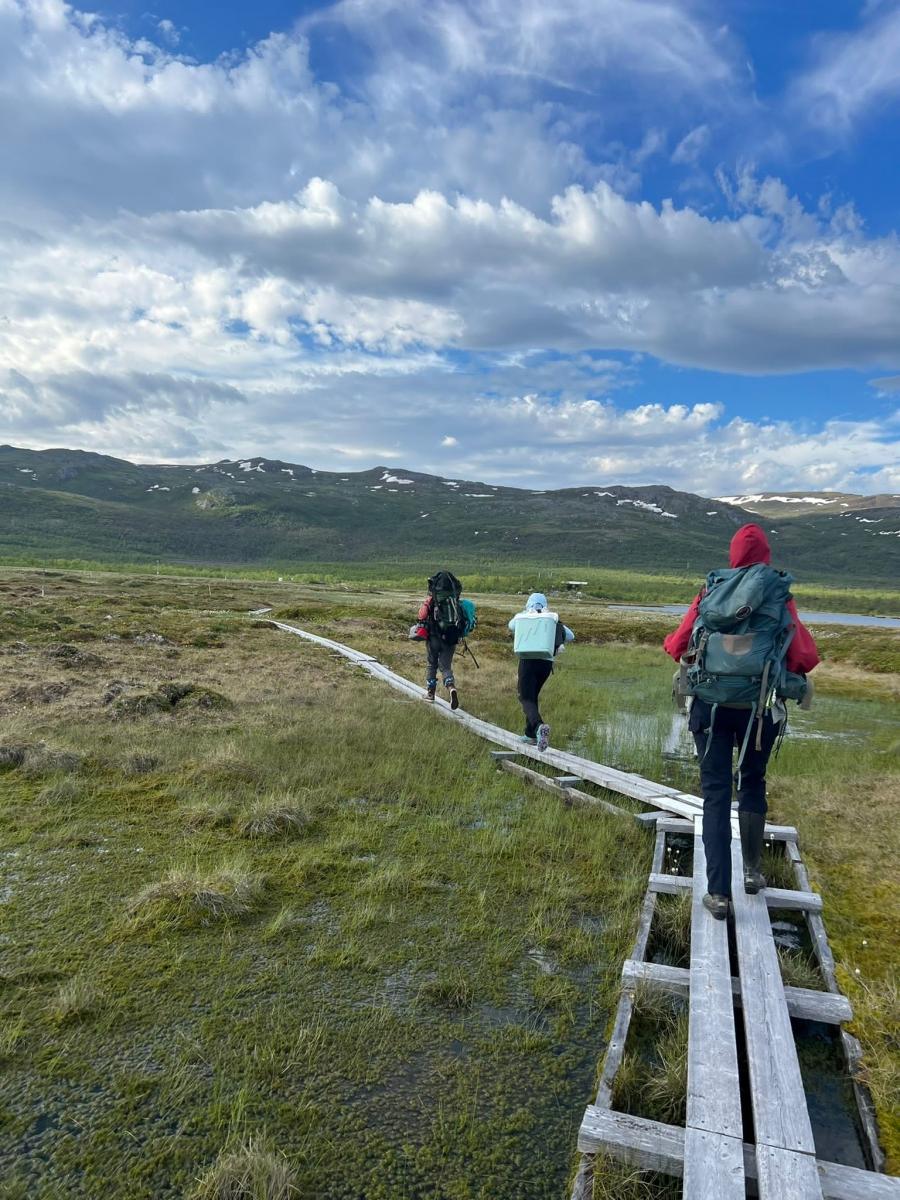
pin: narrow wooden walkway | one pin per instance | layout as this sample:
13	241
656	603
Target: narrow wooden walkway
710	1152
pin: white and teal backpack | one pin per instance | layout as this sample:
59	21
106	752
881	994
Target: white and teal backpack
535	634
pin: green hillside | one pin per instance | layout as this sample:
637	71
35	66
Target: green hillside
57	504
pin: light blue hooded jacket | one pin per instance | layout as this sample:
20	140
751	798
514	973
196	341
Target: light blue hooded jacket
537	602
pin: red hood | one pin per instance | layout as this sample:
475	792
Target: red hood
749	545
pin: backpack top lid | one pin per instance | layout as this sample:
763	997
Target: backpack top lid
738	597
445	583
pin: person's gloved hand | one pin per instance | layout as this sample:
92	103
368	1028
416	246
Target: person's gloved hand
806	702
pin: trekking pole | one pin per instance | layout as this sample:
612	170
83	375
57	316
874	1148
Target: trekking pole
471	655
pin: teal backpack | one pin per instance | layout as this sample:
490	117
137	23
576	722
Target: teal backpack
469	617
740	638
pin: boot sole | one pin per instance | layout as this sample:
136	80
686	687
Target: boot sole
454	699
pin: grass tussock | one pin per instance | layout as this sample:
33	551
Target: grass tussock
188	896
618	1181
451	989
61	791
209	814
671	931
798	971
272	817
75	1000
778	868
250	1171
652	1080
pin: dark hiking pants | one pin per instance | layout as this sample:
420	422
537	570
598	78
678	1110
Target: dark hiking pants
440	658
716	750
533	674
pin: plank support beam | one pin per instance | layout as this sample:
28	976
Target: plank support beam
774	897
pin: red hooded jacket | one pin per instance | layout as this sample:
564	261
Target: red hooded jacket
750	545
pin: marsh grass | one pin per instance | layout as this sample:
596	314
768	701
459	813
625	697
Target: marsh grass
670	932
618	1181
249	1171
451	989
271	817
75	999
798	970
209	814
12	1034
419	863
189	895
652	1079
778	868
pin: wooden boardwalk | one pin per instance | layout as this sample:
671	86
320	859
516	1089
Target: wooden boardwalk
710	1153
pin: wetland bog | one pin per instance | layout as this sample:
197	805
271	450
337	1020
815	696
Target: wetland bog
251	896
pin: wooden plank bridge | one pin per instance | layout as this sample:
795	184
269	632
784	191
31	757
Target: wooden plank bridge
710	1152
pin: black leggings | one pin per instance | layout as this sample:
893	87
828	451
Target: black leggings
716	752
440	658
533	674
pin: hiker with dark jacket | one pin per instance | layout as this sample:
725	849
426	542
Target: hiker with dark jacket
442	617
723	719
538	637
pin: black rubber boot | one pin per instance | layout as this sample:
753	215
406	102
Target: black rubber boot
753	827
717	905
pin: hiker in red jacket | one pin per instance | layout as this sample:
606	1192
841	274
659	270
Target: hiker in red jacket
718	728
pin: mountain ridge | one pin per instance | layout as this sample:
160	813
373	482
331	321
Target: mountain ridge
257	510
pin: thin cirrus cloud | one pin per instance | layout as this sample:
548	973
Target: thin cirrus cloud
201	258
852	73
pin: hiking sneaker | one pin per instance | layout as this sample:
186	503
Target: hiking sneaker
717	905
454	699
543	737
528	740
429	695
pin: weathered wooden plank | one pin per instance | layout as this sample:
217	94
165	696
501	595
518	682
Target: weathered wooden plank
774	897
852	1051
565	781
775	833
713	1095
535	778
650	1145
786	1175
831	1008
780	1115
713	1165
567	792
815	924
574	795
498	754
673	804
650	818
645	1144
850	1183
616	1045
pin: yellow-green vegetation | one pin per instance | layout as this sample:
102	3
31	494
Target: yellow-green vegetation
652	1079
312	914
250	1171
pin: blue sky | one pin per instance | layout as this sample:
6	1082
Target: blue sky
603	241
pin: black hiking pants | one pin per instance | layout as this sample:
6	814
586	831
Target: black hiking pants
716	749
533	674
440	658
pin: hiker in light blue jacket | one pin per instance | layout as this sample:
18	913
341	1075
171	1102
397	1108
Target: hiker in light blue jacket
538	636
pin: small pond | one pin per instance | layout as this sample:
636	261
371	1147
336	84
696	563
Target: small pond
810	617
